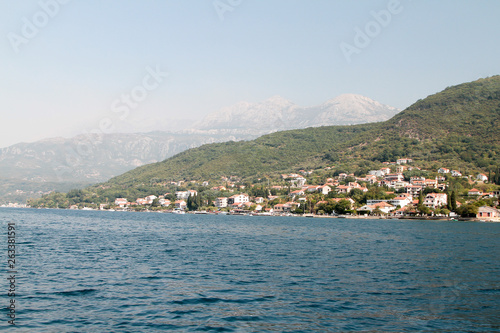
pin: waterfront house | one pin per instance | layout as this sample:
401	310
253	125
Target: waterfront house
238	198
121	202
435	200
221	202
384	207
180	204
282	208
141	201
488	213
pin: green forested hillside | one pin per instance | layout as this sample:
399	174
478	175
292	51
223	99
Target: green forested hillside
458	127
273	153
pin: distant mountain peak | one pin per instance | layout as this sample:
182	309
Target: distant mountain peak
277	113
354	98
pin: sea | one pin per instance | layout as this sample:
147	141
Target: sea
100	271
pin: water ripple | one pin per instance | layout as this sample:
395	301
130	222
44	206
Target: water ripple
125	272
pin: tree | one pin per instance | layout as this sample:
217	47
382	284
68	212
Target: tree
468	210
424	210
193	202
326	207
298	211
445	211
343	207
453	201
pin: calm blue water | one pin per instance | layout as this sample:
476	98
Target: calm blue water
82	271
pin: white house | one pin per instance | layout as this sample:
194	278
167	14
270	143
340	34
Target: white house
401	201
413	190
312	188
325	189
474	192
164	202
221	202
386	171
443	170
285	208
396	184
121	202
141	201
150	198
238	198
384	207
404	160
180	204
376	173
183	195
259	200
298	181
455	173
394	177
434	200
482	177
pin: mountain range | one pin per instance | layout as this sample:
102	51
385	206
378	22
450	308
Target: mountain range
457	128
28	169
278	114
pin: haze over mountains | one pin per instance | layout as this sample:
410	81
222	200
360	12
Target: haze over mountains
277	113
88	159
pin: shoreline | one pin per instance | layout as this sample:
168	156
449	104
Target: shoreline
356	217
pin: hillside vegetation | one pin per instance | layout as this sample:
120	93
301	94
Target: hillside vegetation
458	127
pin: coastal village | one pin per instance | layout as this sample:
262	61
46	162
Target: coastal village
385	193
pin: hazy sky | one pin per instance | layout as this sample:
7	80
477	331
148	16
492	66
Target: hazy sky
67	67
